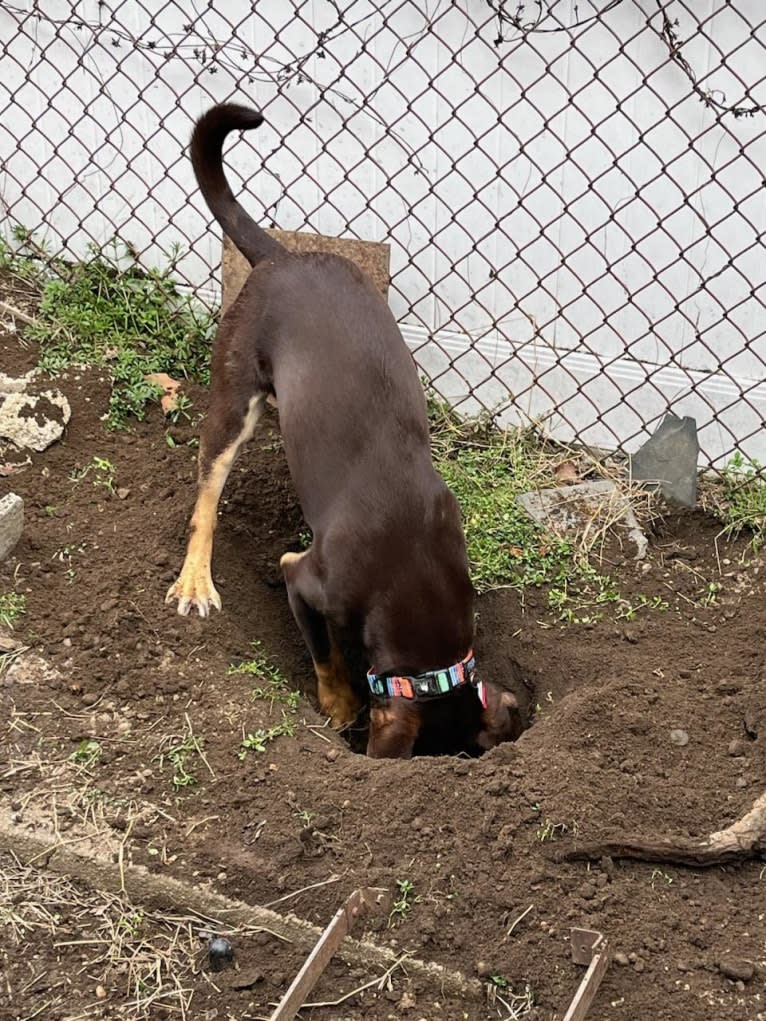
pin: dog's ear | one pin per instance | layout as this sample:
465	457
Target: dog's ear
501	720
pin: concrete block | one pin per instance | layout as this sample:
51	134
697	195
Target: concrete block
11	523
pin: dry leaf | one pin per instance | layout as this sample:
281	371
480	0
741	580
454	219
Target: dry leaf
566	473
171	387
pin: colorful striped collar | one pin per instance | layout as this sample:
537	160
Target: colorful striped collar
429	684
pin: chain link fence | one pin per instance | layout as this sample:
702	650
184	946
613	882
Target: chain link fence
573	191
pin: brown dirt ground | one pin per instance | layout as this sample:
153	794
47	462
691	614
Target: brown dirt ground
468	834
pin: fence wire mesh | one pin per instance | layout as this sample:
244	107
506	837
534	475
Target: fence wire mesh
573	192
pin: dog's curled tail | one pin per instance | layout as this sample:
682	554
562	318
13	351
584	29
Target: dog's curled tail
207	159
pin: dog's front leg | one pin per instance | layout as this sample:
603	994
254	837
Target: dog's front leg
223	434
335	692
394	728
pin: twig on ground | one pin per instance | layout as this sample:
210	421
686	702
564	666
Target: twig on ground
17	313
516	921
743	840
303	889
380	981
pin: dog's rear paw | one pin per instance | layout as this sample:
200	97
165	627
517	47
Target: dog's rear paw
193	591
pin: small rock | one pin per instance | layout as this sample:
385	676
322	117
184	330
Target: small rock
483	969
728	687
332	754
11	523
736	748
638	965
621	959
109	604
100	993
684	966
89	698
122	493
461	767
220	953
679	737
740	782
247	979
736	969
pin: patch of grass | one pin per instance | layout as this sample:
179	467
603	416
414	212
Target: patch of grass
274	689
487	468
403	903
110	310
183	753
258	741
13	605
743	498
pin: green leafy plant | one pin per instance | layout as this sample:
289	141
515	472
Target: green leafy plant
261	738
87	753
274	686
102	471
108	309
743	503
403	903
12	606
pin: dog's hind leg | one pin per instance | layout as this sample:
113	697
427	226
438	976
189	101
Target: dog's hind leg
334	689
223	433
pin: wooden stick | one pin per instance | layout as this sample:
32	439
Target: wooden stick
323	952
586	992
17	313
744	839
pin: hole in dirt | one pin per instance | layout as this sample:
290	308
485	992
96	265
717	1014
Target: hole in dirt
453	724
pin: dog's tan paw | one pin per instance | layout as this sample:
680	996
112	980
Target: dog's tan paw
342	711
194	590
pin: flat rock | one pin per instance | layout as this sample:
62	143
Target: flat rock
31	415
573	508
736	969
11	523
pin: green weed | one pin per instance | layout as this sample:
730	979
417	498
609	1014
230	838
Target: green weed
743	504
12	606
103	474
274	687
86	754
109	310
183	752
258	741
403	903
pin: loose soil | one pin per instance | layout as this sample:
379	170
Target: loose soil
477	838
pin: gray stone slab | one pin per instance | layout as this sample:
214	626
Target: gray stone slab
11	523
575	508
668	460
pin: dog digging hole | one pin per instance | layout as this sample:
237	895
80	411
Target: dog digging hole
453	721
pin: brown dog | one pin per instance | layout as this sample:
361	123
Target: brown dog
388	555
